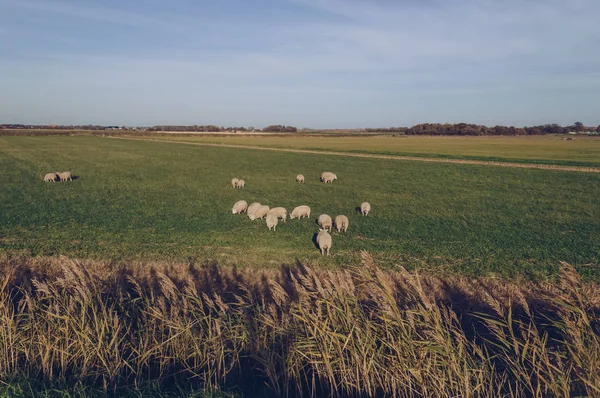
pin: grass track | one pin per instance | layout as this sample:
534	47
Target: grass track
139	200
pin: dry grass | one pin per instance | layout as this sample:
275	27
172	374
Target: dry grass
362	331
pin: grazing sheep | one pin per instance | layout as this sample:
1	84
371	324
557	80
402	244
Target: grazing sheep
324	174
279	212
271	221
50	177
324	241
261	212
299	178
341	223
328	177
300	211
252	208
365	208
241	184
324	221
234	182
239	207
65	175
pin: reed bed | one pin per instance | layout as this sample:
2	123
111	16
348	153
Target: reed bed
296	331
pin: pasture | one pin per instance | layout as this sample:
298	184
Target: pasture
149	201
582	151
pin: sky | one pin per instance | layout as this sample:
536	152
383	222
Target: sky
306	63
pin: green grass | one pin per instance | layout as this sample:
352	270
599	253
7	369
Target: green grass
583	151
138	200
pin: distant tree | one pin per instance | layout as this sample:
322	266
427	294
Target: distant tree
578	126
279	128
598	129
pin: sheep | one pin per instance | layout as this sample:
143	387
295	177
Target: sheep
234	182
241	184
65	175
279	212
261	212
299	178
365	208
239	207
341	223
324	241
324	221
324	174
50	177
300	211
271	221
328	176
252	208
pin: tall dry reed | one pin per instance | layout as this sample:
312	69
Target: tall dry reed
361	331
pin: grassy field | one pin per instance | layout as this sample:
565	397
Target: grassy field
148	201
582	151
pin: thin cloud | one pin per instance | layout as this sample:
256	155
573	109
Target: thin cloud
83	10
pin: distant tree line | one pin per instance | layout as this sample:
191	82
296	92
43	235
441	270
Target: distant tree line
386	130
195	128
280	128
476	129
419	129
51	127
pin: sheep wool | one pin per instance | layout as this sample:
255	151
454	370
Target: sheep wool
271	221
300	211
50	177
341	223
324	241
365	208
324	221
239	207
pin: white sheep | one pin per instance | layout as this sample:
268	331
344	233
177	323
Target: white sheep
65	175
50	177
365	208
239	207
234	182
299	178
324	221
279	212
271	221
324	241
328	176
241	184
300	211
252	208
341	223
261	212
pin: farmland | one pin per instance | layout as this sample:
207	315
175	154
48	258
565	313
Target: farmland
135	279
149	201
581	151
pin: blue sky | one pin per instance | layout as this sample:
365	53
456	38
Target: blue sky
308	63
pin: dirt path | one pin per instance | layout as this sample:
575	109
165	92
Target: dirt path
390	157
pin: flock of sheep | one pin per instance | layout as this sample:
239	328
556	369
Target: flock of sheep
272	215
64	176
